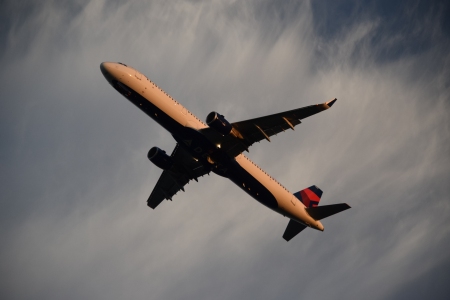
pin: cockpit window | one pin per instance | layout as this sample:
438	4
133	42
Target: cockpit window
122	64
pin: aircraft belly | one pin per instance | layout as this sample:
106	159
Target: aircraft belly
171	123
284	202
168	122
249	184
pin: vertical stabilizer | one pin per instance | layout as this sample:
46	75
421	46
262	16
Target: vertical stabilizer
310	197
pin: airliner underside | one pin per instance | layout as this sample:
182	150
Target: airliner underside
217	146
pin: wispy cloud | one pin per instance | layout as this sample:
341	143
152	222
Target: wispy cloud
75	175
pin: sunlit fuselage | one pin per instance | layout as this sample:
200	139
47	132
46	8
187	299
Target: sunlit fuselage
184	127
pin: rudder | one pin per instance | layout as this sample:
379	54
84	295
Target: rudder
310	197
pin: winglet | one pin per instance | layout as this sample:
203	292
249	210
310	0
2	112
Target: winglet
330	103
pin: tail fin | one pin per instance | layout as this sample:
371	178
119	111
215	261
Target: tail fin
322	212
310	197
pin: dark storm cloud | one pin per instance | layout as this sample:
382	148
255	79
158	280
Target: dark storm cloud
75	175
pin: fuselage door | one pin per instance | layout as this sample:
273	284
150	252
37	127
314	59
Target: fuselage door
293	200
138	75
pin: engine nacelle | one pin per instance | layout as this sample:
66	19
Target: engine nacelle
160	158
218	123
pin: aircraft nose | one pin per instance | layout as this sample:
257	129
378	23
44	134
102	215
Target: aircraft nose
108	70
106	67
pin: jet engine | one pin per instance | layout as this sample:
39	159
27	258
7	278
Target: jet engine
218	123
160	158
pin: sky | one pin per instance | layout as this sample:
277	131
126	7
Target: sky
74	175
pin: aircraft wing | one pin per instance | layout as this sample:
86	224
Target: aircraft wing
184	169
254	130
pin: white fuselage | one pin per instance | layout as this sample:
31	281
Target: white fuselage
173	116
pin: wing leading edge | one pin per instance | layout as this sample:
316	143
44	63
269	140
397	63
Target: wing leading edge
184	169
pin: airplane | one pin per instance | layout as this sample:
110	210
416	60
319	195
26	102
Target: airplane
217	146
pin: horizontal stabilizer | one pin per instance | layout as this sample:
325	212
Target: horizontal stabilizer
322	212
292	230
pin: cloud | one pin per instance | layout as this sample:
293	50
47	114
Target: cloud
75	178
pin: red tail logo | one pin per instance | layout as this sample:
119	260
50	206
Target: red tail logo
310	197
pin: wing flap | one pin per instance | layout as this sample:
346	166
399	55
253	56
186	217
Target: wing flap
276	123
254	130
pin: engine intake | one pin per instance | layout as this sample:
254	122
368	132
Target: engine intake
218	123
160	158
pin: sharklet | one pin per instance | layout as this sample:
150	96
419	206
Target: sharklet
330	103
